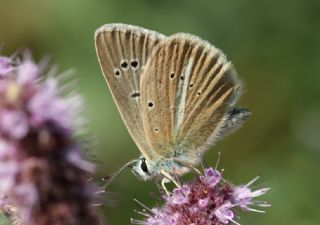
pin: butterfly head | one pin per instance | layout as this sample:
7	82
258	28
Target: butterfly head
143	169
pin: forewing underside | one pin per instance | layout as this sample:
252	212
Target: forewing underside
186	89
123	51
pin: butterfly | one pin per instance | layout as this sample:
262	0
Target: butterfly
176	95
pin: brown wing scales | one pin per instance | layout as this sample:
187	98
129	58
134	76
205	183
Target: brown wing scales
123	51
191	86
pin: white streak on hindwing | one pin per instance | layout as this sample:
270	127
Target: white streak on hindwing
182	95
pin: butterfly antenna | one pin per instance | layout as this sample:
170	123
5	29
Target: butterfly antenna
109	179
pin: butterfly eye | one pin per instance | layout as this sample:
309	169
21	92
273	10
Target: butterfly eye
143	165
171	75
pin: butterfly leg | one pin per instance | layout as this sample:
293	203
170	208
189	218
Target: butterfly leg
160	184
163	182
167	178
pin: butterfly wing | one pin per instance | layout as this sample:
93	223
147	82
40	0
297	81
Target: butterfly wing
187	88
123	51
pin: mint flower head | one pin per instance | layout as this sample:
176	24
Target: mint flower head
209	200
43	172
5	65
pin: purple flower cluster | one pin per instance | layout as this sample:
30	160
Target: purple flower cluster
42	170
209	200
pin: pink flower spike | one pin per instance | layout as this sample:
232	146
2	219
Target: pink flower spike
209	199
28	72
203	203
46	105
252	181
166	219
180	196
7	149
5	65
14	123
243	195
43	171
224	213
211	177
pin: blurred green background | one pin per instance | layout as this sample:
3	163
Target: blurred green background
275	46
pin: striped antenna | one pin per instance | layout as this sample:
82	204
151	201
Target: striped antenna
109	179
